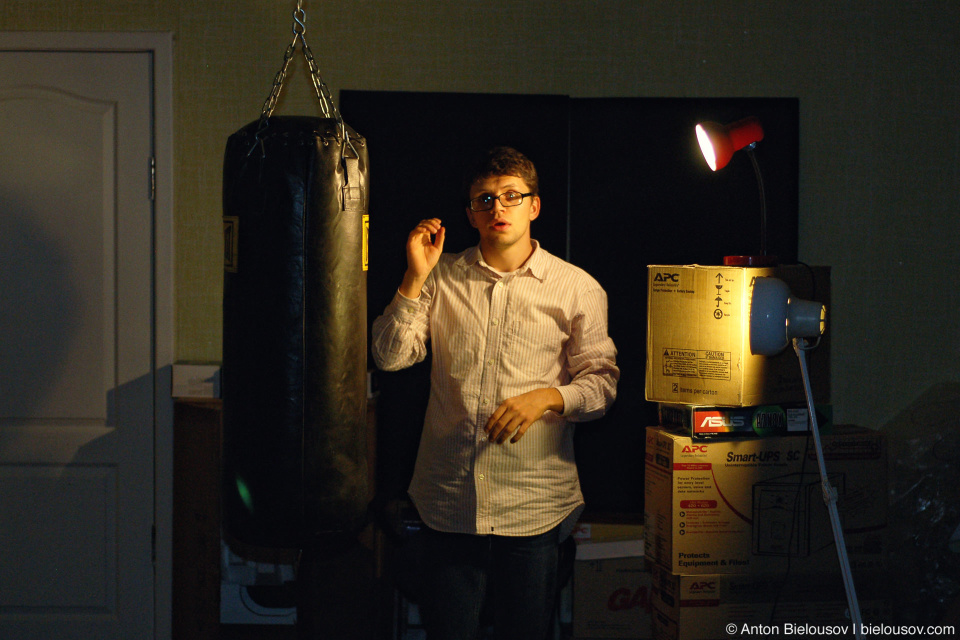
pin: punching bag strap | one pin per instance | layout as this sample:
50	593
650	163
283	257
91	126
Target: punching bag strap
353	188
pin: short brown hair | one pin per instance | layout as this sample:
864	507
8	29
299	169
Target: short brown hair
502	161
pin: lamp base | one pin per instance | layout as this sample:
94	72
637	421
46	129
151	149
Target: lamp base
750	261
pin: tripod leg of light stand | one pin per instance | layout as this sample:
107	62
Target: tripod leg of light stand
830	497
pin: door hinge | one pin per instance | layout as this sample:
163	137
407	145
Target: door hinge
153	179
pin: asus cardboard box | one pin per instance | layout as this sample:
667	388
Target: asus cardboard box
611	591
708	607
750	422
756	506
698	337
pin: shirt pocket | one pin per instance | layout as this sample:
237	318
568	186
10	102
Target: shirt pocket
462	355
534	348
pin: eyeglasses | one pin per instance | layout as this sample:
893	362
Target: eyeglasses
507	199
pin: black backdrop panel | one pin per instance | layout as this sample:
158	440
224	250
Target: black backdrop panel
623	186
423	143
641	193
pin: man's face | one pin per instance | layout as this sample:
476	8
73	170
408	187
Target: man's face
502	227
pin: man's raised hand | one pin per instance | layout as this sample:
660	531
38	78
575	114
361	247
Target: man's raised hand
424	246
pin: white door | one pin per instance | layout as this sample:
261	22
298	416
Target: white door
77	362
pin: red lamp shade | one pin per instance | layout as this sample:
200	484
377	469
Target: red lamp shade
719	142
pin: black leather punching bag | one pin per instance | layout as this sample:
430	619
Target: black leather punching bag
294	334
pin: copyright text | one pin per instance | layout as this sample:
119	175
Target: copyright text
876	630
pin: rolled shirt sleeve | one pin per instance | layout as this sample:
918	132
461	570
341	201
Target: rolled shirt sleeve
590	361
400	334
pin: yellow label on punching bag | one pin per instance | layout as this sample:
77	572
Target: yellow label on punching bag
366	240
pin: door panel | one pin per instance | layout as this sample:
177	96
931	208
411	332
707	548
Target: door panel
72	519
76	363
59	254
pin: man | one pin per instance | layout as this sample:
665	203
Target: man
520	347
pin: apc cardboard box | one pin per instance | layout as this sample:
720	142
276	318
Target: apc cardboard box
756	506
752	422
698	337
708	607
611	591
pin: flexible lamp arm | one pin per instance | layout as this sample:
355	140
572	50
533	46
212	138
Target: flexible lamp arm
763	198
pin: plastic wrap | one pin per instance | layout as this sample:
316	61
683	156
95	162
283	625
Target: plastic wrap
924	483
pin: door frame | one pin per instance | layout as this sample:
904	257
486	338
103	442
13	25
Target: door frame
160	47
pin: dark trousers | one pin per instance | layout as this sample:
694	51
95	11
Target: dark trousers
515	577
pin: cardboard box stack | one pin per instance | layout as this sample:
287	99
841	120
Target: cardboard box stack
735	525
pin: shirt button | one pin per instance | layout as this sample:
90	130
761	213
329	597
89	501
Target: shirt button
500	284
483	401
481	476
495	321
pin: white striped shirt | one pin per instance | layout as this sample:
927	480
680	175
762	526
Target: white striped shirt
493	337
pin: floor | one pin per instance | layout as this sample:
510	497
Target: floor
257	632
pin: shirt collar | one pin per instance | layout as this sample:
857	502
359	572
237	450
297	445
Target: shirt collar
535	264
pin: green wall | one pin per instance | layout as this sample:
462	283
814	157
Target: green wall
879	133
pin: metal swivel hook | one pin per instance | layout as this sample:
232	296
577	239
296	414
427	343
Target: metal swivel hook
299	22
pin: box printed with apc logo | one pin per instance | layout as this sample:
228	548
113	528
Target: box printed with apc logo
704	607
747	506
698	337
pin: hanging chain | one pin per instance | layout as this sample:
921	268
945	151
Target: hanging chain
271	102
324	97
320	87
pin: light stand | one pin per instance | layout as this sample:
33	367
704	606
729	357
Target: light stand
800	346
777	318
